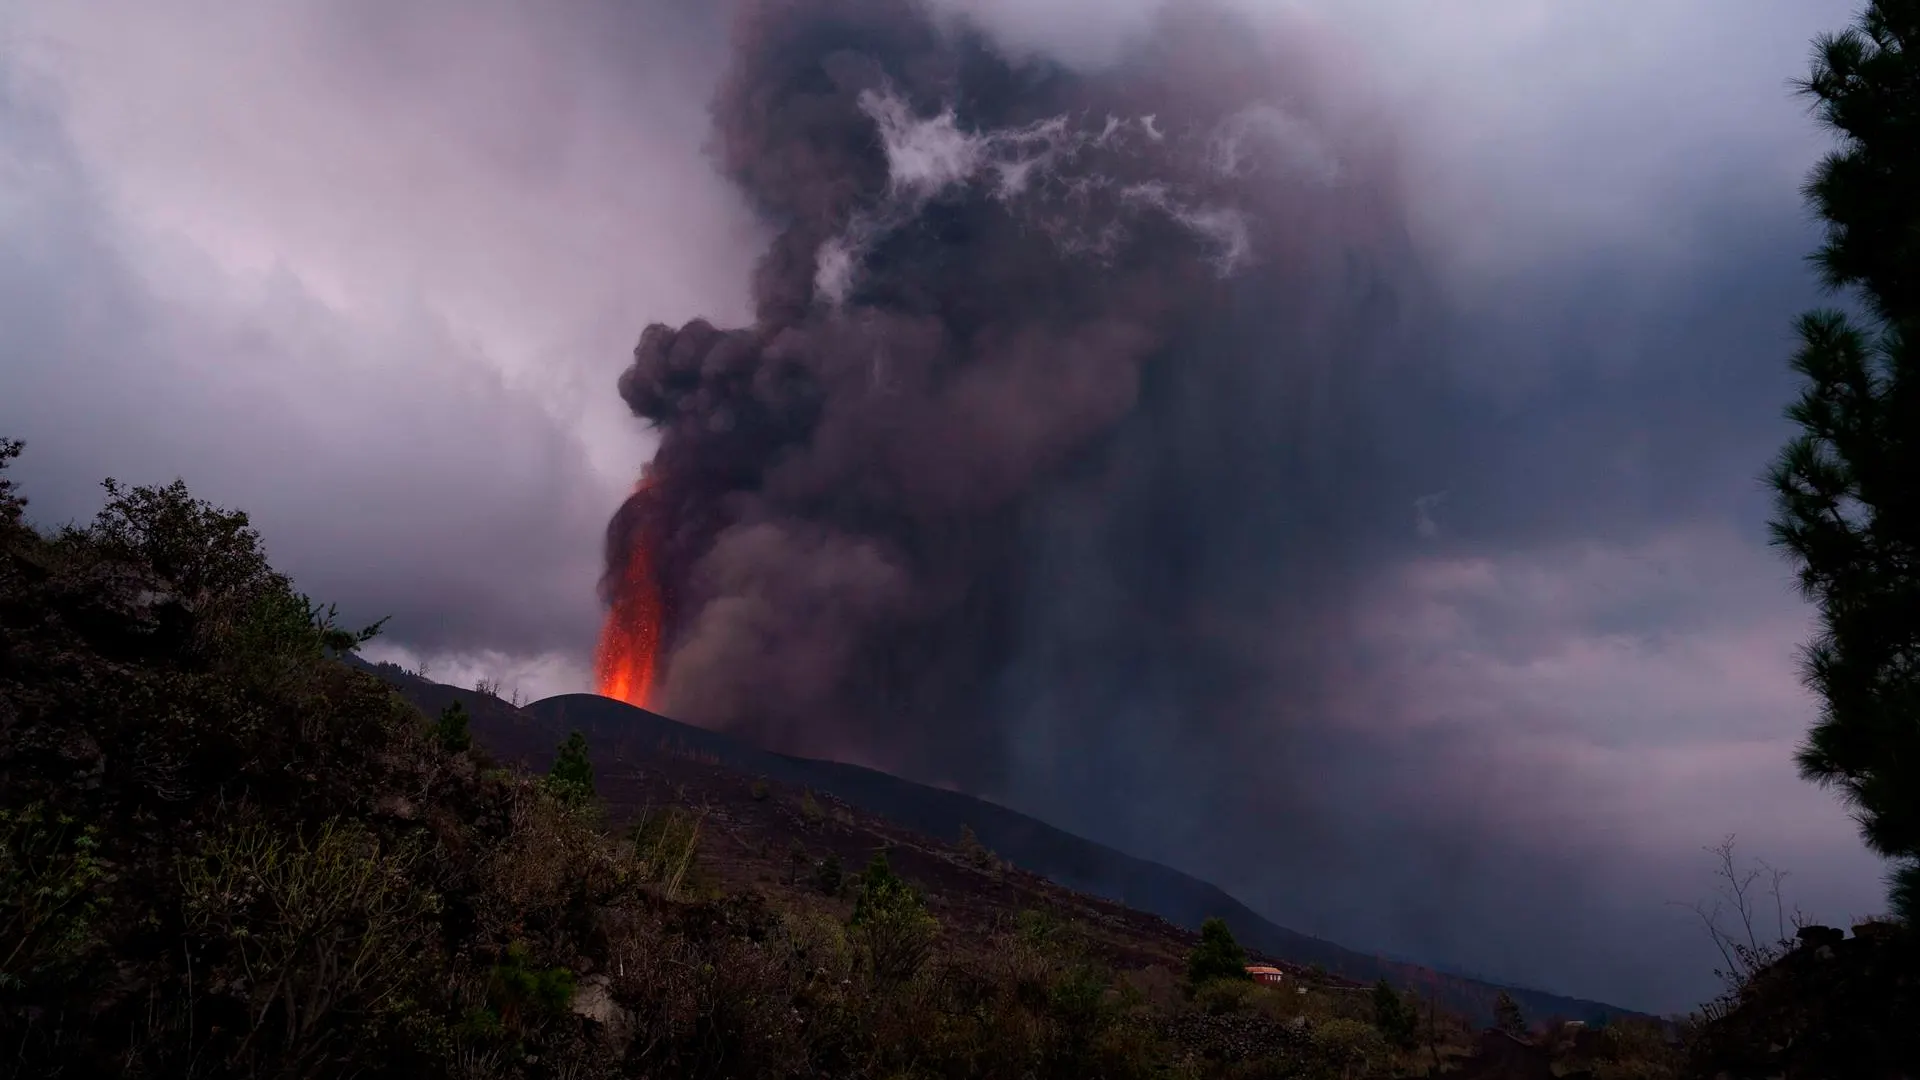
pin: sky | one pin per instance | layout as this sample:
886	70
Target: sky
369	271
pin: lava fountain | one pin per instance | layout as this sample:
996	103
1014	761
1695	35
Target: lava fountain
629	648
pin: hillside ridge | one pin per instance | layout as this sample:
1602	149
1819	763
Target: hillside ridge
624	736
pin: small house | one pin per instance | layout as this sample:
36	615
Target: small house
1262	973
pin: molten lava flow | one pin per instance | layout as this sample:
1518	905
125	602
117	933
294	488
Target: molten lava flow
630	641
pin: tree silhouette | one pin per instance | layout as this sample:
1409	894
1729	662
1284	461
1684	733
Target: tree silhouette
1218	956
12	506
571	778
1507	1015
1847	486
1399	1024
450	729
827	876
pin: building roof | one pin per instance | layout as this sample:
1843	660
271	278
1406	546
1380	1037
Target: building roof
1263	969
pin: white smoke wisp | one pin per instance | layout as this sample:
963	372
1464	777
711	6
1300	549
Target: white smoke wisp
1036	171
1225	229
1267	135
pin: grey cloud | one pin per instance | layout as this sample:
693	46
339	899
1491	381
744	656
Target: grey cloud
534	176
388	469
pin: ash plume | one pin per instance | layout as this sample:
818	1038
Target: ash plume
1056	438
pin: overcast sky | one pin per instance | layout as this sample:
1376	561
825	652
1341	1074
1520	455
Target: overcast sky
368	270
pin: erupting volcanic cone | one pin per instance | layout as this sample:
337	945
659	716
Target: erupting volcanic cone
630	640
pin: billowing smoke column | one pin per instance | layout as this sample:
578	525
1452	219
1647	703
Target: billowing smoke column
1040	359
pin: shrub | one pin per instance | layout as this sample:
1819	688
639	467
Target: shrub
49	903
1037	928
307	934
1349	1046
890	923
1637	1049
544	862
1221	996
522	993
666	845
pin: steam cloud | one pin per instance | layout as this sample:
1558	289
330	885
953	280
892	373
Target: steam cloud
1050	441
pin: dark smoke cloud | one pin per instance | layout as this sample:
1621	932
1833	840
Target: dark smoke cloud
1104	444
1013	313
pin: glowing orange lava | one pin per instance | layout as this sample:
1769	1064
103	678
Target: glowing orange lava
630	640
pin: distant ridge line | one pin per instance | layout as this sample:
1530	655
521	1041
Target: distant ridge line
619	732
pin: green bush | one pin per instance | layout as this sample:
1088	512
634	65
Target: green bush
521	993
890	923
50	873
1221	996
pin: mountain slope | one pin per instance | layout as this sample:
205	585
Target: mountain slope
624	737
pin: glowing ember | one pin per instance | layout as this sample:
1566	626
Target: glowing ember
630	641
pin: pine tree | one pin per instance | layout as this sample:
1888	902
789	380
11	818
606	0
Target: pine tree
571	778
1847	487
1399	1024
450	730
827	877
1218	956
1507	1016
975	852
